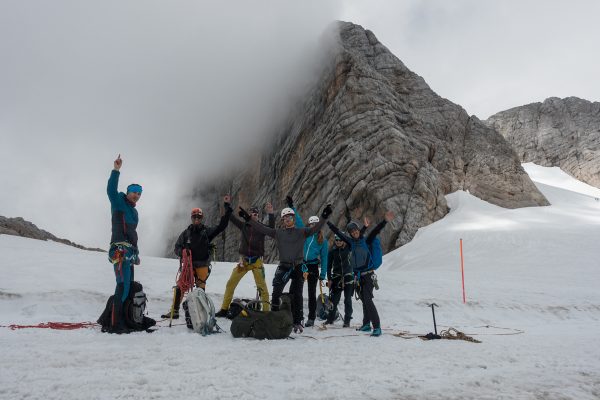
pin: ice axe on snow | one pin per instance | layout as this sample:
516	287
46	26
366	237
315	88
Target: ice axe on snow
435	335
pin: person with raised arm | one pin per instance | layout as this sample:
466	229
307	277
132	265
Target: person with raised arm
290	243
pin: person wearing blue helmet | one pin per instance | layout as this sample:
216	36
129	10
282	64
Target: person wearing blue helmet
123	252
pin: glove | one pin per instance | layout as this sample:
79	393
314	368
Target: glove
326	211
228	208
244	214
289	201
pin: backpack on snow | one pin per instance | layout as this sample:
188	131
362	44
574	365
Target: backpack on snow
264	324
134	309
200	313
237	305
324	307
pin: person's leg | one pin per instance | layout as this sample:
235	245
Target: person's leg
281	278
313	279
236	275
296	289
122	271
259	278
348	293
372	315
201	274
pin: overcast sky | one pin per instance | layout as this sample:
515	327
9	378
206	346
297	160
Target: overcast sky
182	89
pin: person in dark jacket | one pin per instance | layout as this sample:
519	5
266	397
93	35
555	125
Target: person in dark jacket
123	251
362	267
252	250
290	243
340	279
197	238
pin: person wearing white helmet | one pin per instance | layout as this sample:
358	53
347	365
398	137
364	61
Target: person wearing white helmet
290	242
315	256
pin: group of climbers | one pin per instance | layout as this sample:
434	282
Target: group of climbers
303	256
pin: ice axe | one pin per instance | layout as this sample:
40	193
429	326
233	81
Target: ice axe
435	335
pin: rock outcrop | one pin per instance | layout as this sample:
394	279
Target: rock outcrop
20	227
372	136
561	133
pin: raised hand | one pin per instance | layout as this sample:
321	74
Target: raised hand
227	199
389	216
244	214
289	201
327	211
118	163
269	208
366	222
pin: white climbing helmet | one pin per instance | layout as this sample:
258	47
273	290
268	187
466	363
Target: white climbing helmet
287	211
313	220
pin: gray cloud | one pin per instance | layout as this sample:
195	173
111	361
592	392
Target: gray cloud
180	89
185	88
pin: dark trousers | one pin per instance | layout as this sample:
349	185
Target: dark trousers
282	276
313	280
370	314
336	295
296	291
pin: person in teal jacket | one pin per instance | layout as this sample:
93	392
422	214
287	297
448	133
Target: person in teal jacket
315	256
123	251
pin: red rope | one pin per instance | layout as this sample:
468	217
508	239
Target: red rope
66	326
185	278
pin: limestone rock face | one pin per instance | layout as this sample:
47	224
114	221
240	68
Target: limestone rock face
20	227
561	133
372	136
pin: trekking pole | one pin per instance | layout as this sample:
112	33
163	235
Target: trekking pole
173	305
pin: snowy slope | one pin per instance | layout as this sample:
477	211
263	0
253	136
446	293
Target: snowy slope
531	275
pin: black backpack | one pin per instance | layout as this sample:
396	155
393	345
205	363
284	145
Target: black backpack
264	324
134	309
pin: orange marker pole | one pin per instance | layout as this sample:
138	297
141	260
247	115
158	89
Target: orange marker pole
462	271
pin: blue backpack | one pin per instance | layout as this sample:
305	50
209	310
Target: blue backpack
376	253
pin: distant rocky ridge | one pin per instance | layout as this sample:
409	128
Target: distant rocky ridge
372	136
19	227
561	133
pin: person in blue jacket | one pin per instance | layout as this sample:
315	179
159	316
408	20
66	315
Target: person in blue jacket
363	268
123	251
315	256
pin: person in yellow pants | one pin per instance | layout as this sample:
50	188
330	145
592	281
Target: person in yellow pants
252	250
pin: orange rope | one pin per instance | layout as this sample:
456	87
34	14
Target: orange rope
185	276
54	325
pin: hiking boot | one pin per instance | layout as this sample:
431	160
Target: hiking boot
309	322
298	328
168	315
365	328
328	322
347	322
222	313
376	332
